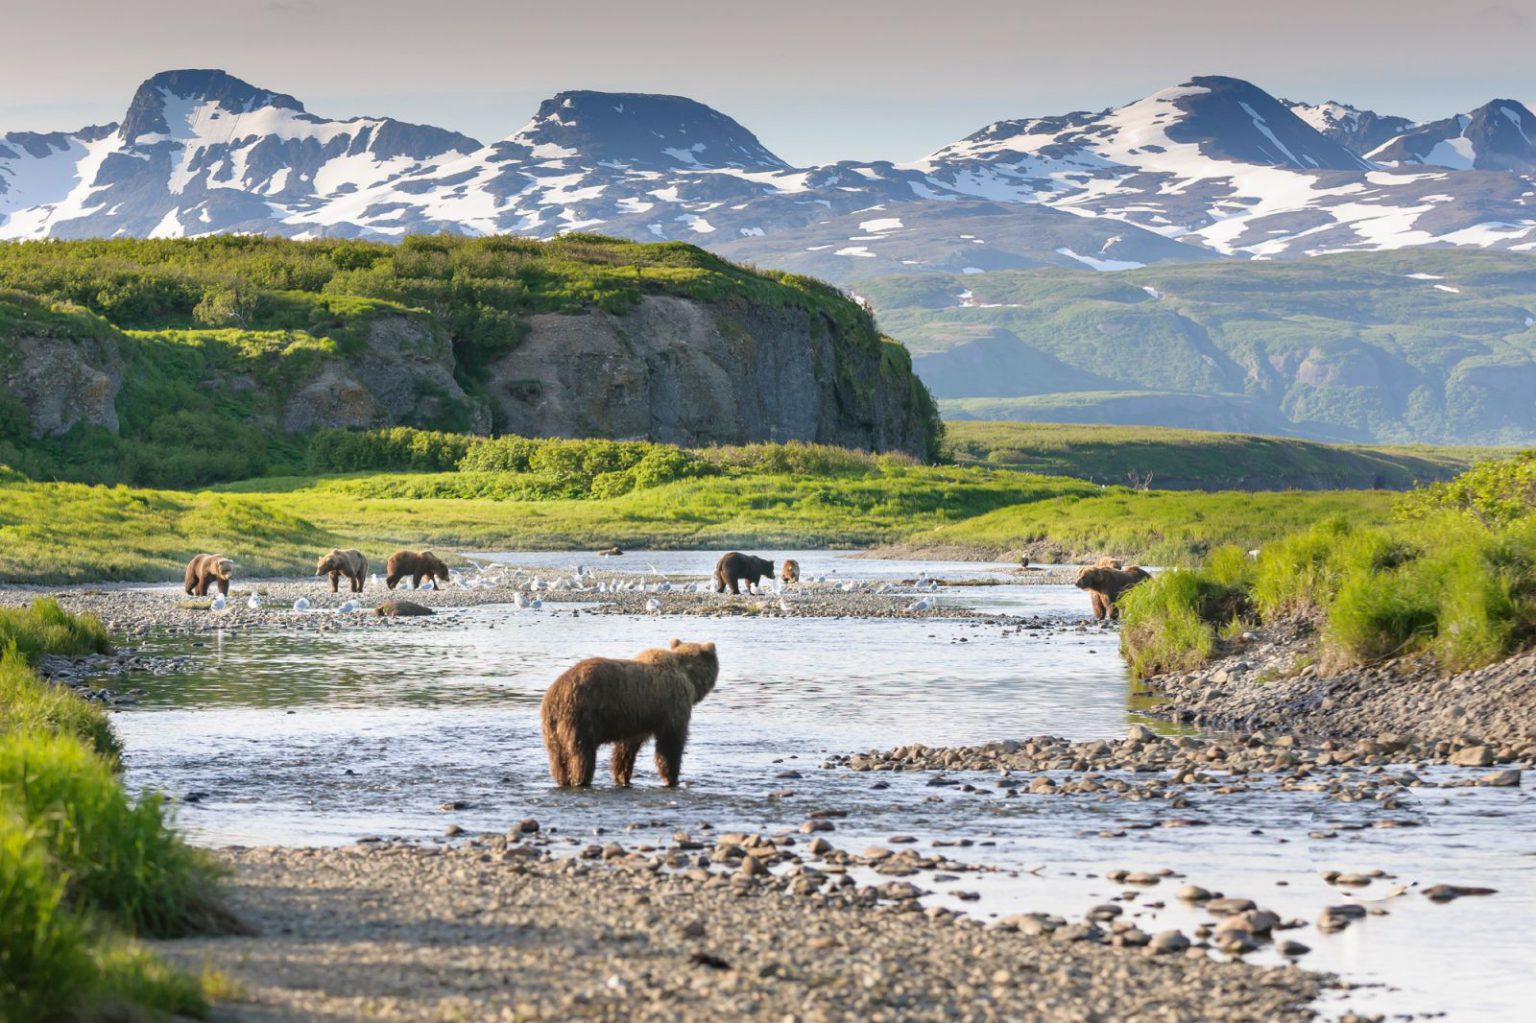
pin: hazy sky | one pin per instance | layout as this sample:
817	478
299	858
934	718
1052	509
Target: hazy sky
816	80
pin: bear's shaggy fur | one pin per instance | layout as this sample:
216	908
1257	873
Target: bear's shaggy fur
790	571
1106	583
206	570
338	563
418	565
736	567
605	700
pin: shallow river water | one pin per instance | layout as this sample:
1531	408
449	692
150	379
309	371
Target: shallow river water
322	737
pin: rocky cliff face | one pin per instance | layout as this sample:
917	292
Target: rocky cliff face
693	373
671	369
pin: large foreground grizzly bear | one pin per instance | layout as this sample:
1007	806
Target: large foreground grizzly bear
603	700
1105	582
418	565
736	567
340	563
206	570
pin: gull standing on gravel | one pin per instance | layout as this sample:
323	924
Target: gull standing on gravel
217	604
253	602
920	606
302	604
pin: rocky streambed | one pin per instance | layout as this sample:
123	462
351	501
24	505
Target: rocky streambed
495	929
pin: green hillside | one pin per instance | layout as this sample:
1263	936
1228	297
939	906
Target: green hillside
185	362
1170	459
1409	346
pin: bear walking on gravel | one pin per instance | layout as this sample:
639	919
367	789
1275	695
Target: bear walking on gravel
736	567
207	570
418	565
605	700
1105	582
789	572
338	563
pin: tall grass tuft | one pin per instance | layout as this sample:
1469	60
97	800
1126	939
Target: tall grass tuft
30	705
46	628
1163	631
121	859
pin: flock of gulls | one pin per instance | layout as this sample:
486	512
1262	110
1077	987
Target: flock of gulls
526	589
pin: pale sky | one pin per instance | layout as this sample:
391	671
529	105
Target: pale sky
816	80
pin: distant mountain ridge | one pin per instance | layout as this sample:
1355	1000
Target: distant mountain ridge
1214	167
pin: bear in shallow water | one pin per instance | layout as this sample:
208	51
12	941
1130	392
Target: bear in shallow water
208	570
735	568
1105	584
418	565
339	563
606	700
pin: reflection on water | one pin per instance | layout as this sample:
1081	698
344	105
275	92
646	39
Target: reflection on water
324	737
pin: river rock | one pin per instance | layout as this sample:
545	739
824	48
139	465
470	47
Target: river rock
1168	943
1509	779
1473	756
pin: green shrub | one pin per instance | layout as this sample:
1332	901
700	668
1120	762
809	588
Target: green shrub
1495	493
399	449
120	857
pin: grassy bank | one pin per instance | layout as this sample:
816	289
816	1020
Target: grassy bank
1452	576
1172	459
84	867
515	493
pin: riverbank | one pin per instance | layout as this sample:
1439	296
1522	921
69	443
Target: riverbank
492	930
1273	681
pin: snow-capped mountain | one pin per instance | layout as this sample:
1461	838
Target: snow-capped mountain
1210	168
201	152
1496	136
1357	130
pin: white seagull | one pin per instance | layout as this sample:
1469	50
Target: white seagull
302	604
217	604
921	605
253	602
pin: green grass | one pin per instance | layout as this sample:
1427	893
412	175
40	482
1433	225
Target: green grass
83	866
1173	459
1447	580
1154	527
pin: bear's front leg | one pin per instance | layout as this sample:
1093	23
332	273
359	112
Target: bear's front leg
223	587
335	582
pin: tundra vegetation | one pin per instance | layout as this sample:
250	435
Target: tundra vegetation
85	868
1451	575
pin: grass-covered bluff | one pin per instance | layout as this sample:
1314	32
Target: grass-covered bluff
1452	576
209	338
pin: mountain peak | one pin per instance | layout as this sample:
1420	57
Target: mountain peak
642	130
1233	119
146	113
1499	135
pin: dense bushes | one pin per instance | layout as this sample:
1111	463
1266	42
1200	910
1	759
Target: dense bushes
81	864
1457	581
400	449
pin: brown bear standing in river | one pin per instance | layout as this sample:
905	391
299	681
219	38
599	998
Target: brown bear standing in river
340	563
790	572
206	570
1105	582
603	700
736	567
418	565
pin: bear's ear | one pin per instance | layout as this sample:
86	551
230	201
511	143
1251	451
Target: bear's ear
676	643
709	648
426	552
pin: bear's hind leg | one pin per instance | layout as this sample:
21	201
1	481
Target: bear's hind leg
624	753
669	755
582	763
